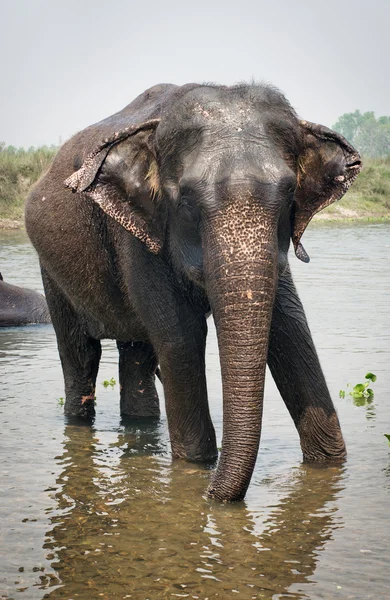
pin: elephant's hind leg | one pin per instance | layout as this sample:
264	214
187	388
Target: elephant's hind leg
297	372
137	368
79	353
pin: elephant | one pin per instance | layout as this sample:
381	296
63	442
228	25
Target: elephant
21	306
180	205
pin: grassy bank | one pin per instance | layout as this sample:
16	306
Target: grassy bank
19	169
369	197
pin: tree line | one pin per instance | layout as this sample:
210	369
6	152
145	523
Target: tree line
369	135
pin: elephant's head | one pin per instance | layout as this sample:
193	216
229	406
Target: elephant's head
222	181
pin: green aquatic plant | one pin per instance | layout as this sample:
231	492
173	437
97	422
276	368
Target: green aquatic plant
387	436
361	393
109	382
371	377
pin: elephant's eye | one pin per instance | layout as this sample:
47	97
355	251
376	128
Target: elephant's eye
287	186
290	196
185	206
187	209
186	193
192	188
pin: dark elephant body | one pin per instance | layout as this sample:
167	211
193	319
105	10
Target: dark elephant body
21	306
93	241
185	202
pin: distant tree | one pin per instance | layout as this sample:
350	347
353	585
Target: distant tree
371	136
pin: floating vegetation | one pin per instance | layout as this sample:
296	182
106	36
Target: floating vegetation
109	382
361	393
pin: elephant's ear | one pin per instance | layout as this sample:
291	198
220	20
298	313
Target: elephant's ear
121	175
327	166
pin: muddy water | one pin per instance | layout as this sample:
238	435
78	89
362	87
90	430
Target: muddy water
102	512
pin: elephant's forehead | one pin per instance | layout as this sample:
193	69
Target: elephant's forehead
207	106
234	114
221	105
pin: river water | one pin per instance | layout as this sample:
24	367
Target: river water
103	512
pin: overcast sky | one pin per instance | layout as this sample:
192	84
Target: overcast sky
68	63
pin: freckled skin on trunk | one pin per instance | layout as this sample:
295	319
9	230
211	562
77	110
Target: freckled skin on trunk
240	267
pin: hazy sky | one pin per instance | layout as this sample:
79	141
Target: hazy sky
68	63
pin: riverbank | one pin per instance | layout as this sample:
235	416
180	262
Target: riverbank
11	224
369	197
339	215
19	170
367	200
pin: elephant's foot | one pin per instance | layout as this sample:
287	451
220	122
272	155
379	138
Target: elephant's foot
138	394
142	402
80	406
202	449
320	436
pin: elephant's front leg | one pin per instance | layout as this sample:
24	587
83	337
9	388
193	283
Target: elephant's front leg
137	368
182	362
176	325
297	372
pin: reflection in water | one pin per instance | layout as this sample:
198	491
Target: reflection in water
132	524
297	529
118	519
368	404
386	471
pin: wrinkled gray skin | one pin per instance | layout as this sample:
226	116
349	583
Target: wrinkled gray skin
185	202
20	306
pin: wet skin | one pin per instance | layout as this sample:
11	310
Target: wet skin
21	306
185	202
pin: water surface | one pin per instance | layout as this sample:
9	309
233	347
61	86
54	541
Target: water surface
103	512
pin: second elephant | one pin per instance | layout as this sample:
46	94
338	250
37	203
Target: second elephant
21	306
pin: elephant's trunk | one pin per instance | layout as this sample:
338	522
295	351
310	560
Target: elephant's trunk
240	260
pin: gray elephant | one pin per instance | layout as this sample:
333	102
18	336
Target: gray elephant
21	306
184	203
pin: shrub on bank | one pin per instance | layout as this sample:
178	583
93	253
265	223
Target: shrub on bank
370	194
19	169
